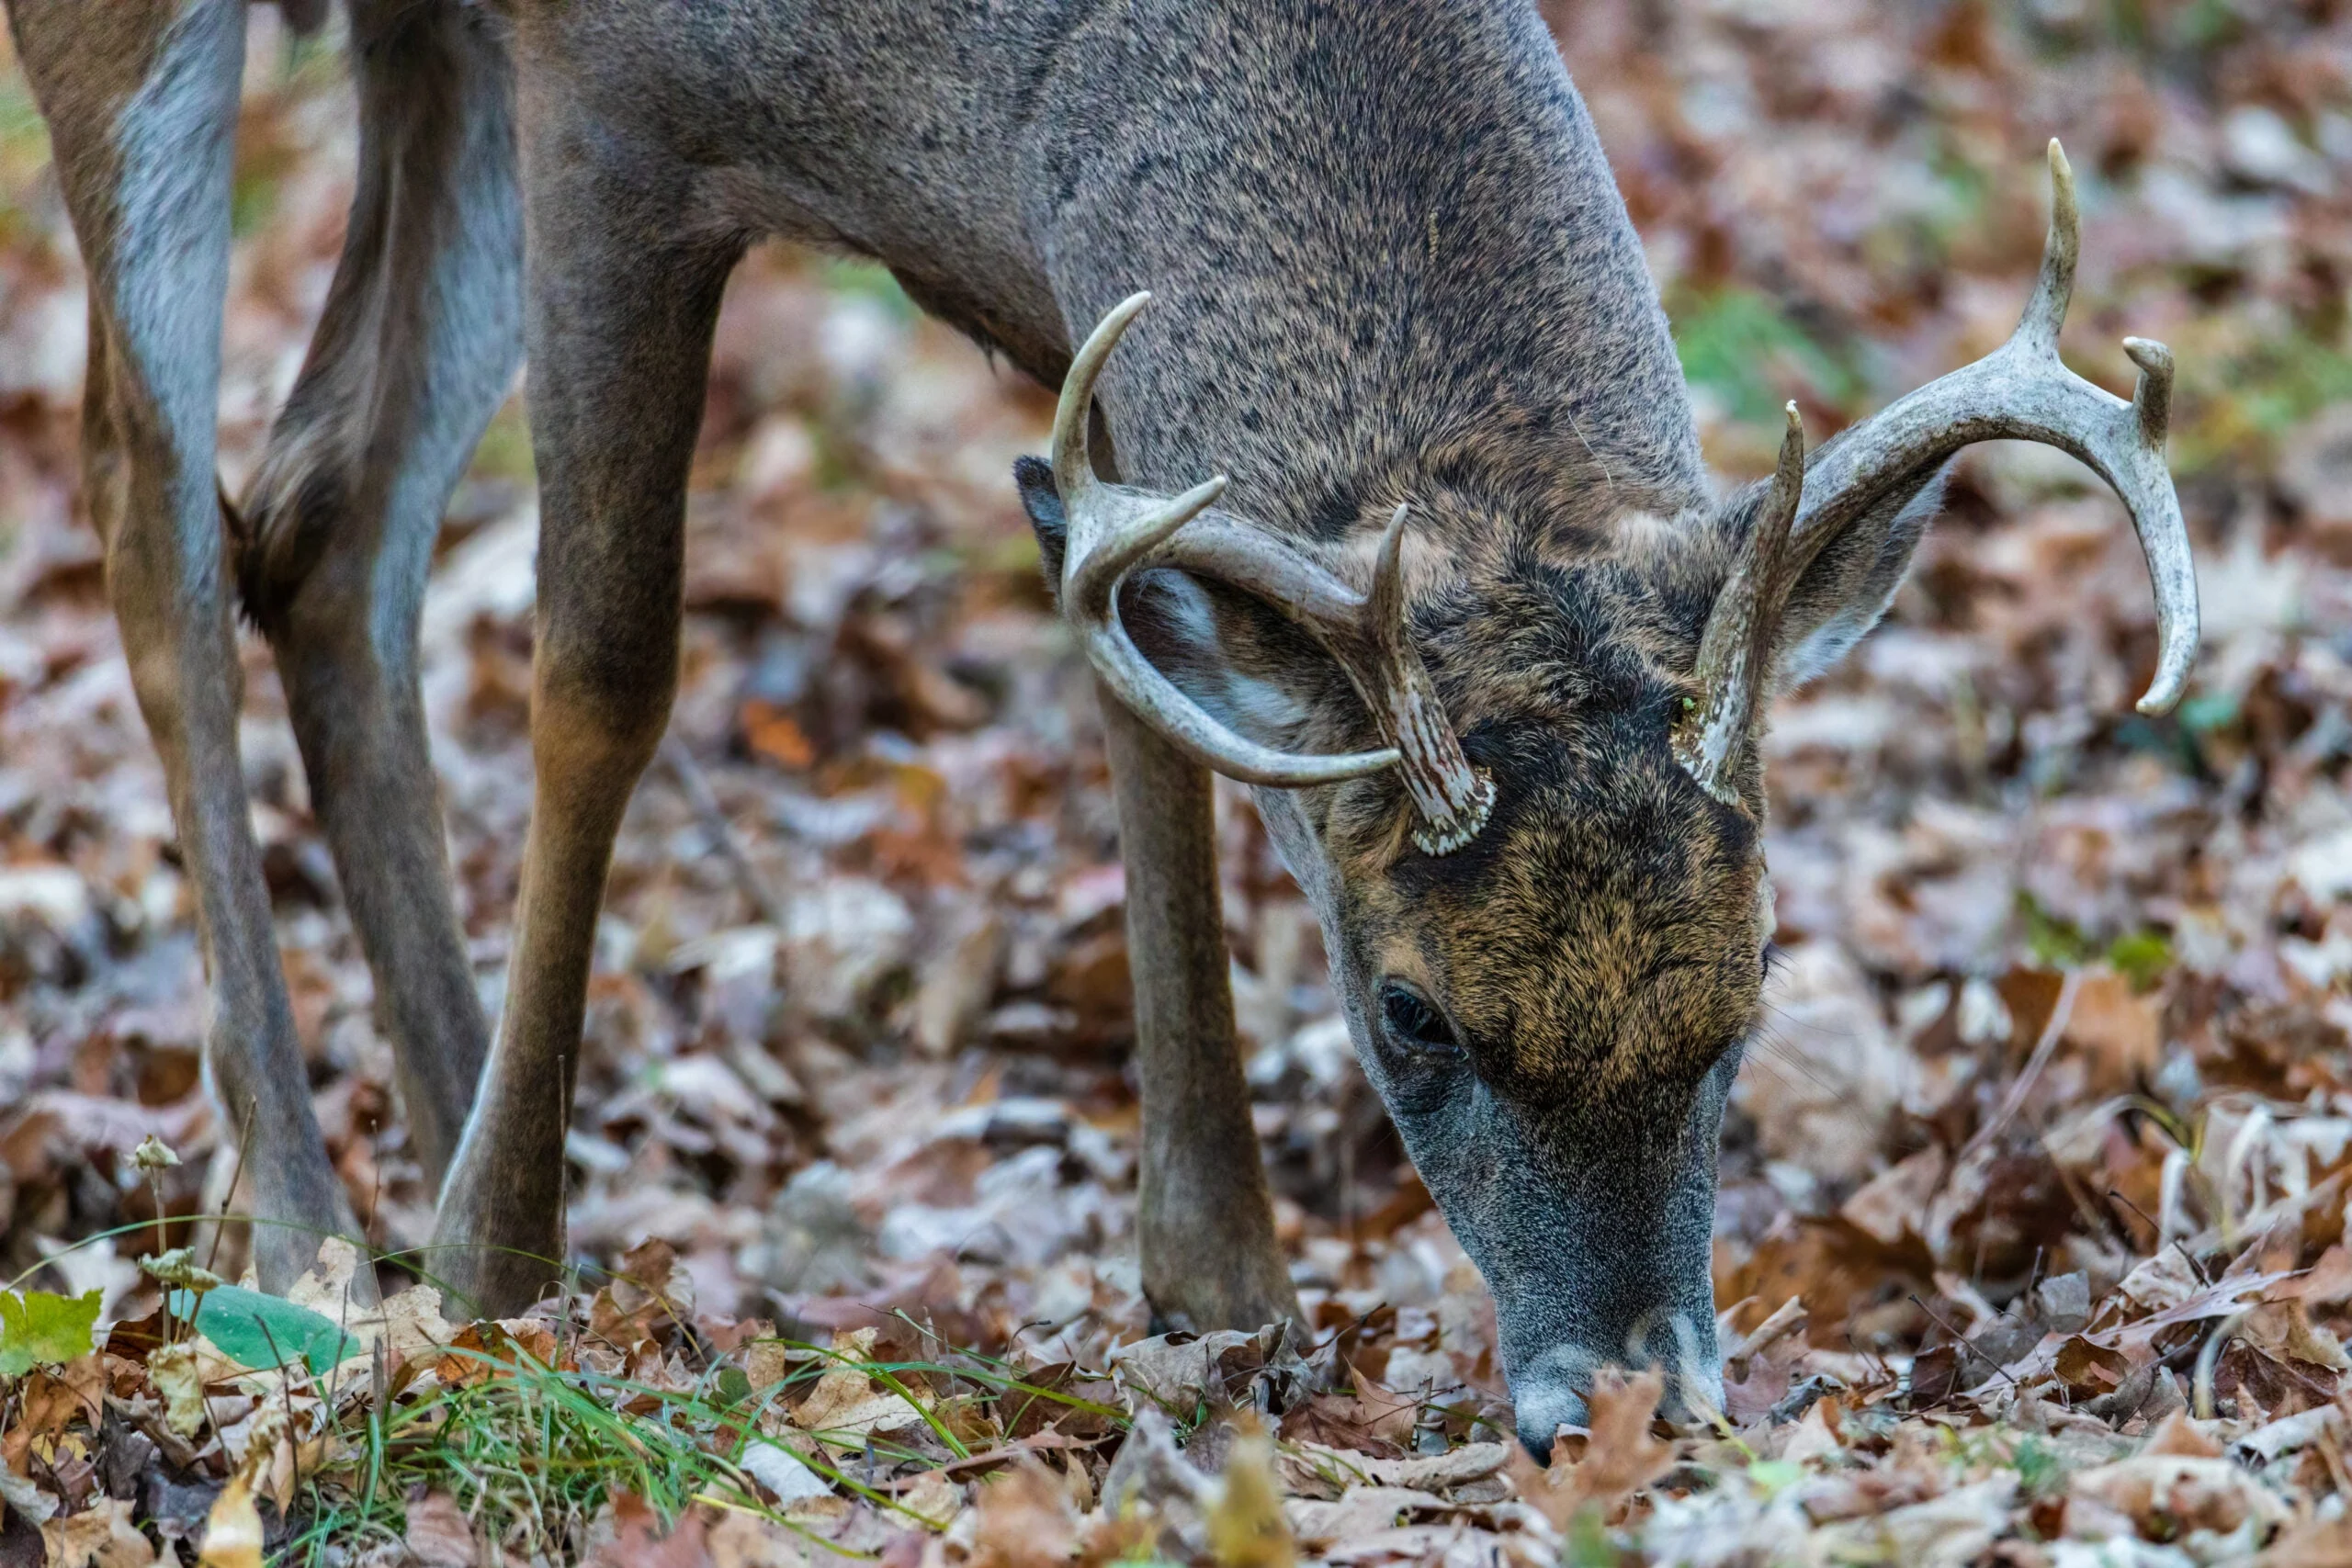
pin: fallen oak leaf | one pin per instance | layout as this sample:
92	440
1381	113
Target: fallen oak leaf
490	1349
439	1534
1620	1458
102	1537
1372	1419
2176	1492
1020	1517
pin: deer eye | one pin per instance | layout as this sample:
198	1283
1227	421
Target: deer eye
1414	1019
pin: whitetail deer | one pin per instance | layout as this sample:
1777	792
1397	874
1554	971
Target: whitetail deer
1469	611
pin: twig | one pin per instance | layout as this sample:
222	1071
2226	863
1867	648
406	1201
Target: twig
2061	1011
695	786
1960	1341
1785	1320
2185	1256
375	1191
236	1172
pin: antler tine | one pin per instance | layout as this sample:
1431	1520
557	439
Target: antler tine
1113	529
2061	249
1736	651
1451	797
2151	398
1073	464
2022	391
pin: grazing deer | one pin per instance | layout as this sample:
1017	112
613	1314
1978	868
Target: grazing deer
1468	611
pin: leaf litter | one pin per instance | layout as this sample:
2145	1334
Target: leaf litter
2030	1237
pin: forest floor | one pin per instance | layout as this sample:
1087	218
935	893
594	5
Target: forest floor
2029	1247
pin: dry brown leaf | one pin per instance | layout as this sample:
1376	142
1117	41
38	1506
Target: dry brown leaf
2174	1492
2178	1434
1893	1204
2116	1030
439	1534
103	1537
1022	1520
1620	1456
741	1540
2315	1543
178	1375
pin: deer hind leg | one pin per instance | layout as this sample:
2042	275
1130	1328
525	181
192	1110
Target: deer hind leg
618	318
420	338
1206	1224
141	103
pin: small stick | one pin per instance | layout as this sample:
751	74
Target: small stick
236	1171
695	786
1962	1343
375	1192
2061	1011
2185	1256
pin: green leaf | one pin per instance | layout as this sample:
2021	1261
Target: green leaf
38	1329
2140	957
261	1332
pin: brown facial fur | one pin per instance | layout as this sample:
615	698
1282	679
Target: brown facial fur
1595	946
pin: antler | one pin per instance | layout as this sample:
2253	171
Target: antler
1736	653
1115	529
2021	391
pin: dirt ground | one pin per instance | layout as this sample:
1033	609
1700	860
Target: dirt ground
2030	1246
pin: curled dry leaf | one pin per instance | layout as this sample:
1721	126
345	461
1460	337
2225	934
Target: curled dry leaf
178	1373
102	1537
438	1535
1620	1457
1023	1517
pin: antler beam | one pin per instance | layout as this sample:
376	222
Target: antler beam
1115	529
1735	654
2023	391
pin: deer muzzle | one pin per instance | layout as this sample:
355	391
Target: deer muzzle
1597	1245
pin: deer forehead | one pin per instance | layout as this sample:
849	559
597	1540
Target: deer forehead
1608	932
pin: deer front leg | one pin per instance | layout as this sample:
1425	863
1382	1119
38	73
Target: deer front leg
618	322
1204	1222
142	106
420	338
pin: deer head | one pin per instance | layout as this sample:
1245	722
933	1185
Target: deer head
1516	771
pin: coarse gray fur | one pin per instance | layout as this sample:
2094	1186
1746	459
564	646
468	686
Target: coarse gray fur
1390	265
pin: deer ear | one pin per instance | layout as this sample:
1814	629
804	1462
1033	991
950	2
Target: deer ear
1846	588
1247	667
1034	477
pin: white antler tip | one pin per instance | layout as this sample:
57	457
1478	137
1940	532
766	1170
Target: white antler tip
2149	356
2062	194
2151	398
2163	696
1393	535
1202	496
